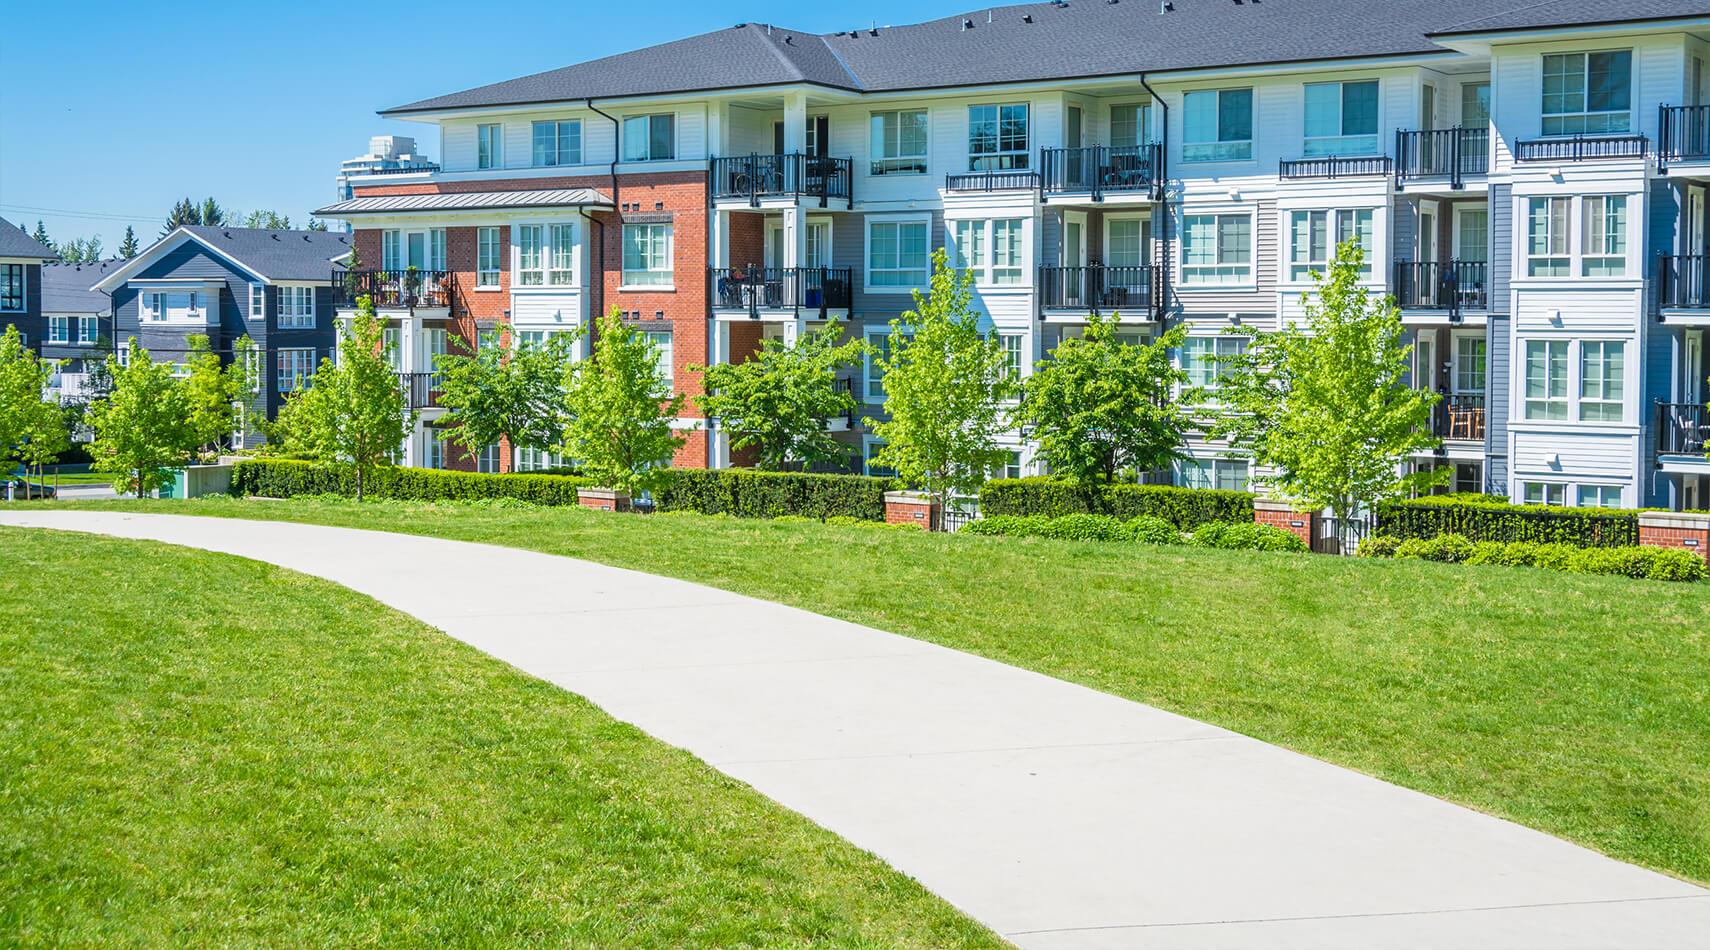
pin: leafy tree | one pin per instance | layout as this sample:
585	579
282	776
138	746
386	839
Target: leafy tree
219	392
128	246
945	384
1329	407
263	219
144	426
352	411
778	401
41	237
1100	405
81	250
494	393
33	428
244	376
621	405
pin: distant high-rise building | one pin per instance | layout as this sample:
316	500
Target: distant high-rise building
386	153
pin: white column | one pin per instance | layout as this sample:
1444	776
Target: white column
721	239
795	123
792	331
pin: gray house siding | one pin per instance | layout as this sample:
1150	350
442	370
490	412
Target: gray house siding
1496	403
29	321
1501	246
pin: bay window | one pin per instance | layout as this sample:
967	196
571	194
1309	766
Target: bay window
1217	249
997	137
899	142
1588	93
1601	380
989	250
1217	125
1546	379
486	257
647	255
1605	229
531	264
968	253
898	254
1547	237
1315	236
1341	118
558	143
561	254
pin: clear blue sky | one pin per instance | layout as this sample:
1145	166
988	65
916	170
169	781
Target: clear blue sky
111	111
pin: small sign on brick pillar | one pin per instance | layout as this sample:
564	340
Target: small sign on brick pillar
911	507
1676	529
1281	514
603	499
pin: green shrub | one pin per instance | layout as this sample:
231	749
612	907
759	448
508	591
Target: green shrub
1378	545
283	478
1448	549
1078	527
1086	527
1186	508
747	493
1489	518
1245	536
1661	564
1149	529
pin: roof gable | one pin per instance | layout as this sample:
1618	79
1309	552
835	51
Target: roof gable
264	254
16	242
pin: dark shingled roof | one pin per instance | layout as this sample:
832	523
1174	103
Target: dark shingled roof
278	255
1044	41
16	242
66	288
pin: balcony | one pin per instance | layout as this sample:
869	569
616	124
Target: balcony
795	289
1455	154
421	390
1101	170
1683	135
1681	283
1682	428
1579	148
1453	287
395	289
992	181
1459	418
1098	288
752	178
1368	166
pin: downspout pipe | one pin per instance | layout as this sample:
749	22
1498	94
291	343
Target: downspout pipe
1161	176
617	150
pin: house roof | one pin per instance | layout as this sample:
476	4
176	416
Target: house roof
16	242
267	253
1042	41
467	201
70	288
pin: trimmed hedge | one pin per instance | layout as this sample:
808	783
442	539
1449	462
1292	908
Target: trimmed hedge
283	478
747	493
1659	564
1078	527
1186	508
1246	536
1484	518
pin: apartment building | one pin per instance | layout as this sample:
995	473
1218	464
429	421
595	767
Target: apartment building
1528	180
21	260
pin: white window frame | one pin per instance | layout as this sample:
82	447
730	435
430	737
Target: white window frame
1015	351
870	446
1557	259
561	244
1584	121
489	145
872	381
664	344
1145	234
1602	247
1460	361
1247	279
925	268
881	160
1545	403
557	128
296	307
1344	143
294	365
985	235
59	329
1219	149
1601	403
1581	490
651	276
1336	224
391	249
1000	158
535	460
1546	489
1208	472
1458	249
257	301
647	154
488	257
1220	345
88	330
1142	124
155	306
530	243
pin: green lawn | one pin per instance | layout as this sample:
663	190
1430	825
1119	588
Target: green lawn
1574	704
201	750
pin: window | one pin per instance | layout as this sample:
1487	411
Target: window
1129	125
11	286
488	460
1227	474
1601	380
870	450
435	450
1588	92
390	256
1010	467
535	460
1543	493
1475	105
531	265
295	365
1599	496
1547	237
1201	357
486	257
1006	251
490	146
59	330
1123	244
1317	234
879	348
296	308
899	142
650	138
561	247
1472	234
1012	353
172	305
88	329
1469	364
1217	125
1217	249
897	253
558	143
661	340
969	252
989	250
647	255
257	301
997	137
1546	379
436	250
1605	230
1341	118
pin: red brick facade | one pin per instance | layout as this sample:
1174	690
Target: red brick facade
1301	524
1689	532
907	507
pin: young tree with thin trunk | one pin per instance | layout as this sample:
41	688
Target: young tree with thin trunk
211	392
1329	406
778	401
945	384
143	429
494	393
621	407
34	429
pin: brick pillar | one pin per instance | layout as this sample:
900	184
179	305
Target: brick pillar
603	499
1675	529
911	507
1281	514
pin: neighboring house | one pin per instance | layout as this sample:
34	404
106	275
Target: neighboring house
77	323
274	286
1529	180
21	260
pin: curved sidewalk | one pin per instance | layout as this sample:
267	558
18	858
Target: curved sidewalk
1059	816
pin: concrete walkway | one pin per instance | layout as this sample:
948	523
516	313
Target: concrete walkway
1059	816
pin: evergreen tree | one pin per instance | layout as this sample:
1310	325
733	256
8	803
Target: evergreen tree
211	213
183	212
128	246
316	224
41	237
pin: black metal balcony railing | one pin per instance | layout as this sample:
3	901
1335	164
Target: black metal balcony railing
1101	170
847	385
1681	282
421	390
1368	166
1579	148
781	288
1459	417
1683	134
753	177
1105	289
395	288
1452	286
992	181
1683	428
1455	154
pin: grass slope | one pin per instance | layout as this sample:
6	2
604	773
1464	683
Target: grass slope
197	749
